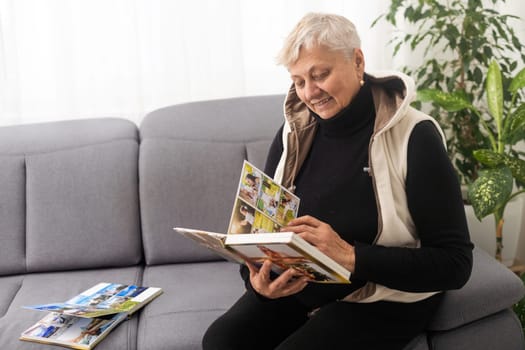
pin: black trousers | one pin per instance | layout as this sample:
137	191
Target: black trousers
285	324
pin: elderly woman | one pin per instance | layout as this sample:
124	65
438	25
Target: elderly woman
378	195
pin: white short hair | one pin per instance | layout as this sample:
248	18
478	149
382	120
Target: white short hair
335	32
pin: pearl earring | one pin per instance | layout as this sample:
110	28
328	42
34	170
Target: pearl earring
361	82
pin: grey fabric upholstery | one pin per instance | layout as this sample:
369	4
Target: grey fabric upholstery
73	199
12	215
39	288
96	200
71	196
48	137
497	331
190	161
494	286
198	294
69	213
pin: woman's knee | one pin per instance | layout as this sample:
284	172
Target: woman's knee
217	337
252	324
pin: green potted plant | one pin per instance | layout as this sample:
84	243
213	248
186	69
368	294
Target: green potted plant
502	122
456	39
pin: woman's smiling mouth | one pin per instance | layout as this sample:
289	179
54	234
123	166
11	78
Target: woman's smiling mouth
321	103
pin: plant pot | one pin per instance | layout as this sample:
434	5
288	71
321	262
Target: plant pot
483	234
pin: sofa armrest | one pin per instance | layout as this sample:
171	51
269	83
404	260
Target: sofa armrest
492	287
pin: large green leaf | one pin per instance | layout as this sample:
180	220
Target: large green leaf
515	125
451	102
490	190
518	82
517	167
488	157
495	92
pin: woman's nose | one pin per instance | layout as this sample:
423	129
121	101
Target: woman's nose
311	90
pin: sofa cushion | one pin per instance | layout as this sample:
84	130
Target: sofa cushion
193	195
52	136
194	296
12	215
227	120
501	330
70	199
190	163
492	287
39	288
82	207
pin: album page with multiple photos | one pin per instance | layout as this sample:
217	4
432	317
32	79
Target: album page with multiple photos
262	208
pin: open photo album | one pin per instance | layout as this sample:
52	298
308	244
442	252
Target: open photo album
84	320
262	207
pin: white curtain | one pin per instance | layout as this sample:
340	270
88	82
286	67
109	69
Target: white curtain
68	59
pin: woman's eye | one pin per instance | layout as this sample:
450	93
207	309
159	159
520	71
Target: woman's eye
299	84
320	76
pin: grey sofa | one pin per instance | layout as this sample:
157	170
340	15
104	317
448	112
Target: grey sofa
95	200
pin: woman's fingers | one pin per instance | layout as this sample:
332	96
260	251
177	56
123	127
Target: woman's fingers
288	283
323	236
305	220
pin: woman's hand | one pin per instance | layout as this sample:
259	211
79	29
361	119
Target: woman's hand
288	283
321	235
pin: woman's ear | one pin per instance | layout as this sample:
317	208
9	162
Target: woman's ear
359	60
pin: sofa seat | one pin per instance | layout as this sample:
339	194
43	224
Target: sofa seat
41	288
195	294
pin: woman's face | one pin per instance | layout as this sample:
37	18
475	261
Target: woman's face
326	80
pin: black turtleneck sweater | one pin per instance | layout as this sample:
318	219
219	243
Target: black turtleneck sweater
334	188
332	180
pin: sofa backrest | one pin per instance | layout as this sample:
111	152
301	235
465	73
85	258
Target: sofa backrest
189	168
69	196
